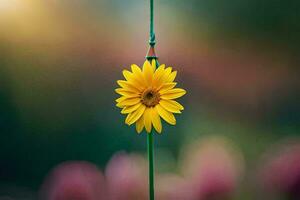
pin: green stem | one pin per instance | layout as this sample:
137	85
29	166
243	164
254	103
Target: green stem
151	164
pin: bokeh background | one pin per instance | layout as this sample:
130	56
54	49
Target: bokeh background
238	61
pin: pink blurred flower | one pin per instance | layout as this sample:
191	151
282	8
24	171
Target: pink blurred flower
77	180
127	177
280	172
172	186
213	168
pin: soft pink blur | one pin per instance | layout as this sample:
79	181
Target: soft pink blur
172	186
127	177
213	168
74	180
280	172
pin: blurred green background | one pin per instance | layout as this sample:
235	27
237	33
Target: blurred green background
59	62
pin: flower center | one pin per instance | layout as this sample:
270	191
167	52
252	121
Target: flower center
150	97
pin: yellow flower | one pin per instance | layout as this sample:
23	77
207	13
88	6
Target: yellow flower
148	94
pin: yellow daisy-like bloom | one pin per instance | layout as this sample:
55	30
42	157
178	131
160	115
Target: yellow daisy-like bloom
148	94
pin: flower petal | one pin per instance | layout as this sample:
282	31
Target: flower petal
147	120
172	76
129	86
157	75
166	86
127	93
176	104
122	98
138	75
131	78
163	79
127	74
166	115
153	64
129	102
129	109
134	116
148	72
140	124
169	106
156	120
173	93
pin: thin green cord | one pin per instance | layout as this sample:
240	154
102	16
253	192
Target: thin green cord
152	34
151	164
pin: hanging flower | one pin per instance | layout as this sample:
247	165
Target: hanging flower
148	94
